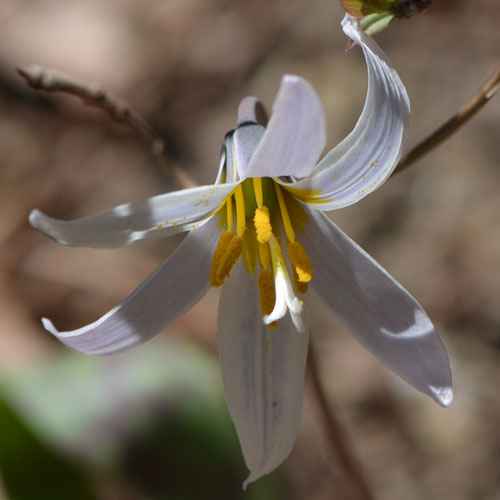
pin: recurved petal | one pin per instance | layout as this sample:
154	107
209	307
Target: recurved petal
368	155
252	110
262	372
241	144
155	217
376	309
171	290
295	135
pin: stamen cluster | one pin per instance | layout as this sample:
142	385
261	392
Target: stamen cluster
261	212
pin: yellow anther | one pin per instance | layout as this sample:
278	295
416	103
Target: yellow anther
300	261
228	260
264	255
224	240
284	213
259	194
240	211
225	256
300	286
262	222
267	294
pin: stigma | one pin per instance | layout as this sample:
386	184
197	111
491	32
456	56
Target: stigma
256	221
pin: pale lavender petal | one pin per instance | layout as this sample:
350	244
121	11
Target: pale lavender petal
262	372
241	144
295	135
155	217
368	155
376	309
252	110
171	290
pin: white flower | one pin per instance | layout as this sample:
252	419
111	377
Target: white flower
260	232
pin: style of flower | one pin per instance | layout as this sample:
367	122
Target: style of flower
261	234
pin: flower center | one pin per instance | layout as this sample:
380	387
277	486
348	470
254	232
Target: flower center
256	217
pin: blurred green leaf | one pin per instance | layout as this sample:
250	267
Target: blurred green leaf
30	468
154	418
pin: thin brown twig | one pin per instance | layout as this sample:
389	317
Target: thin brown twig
48	80
444	132
338	443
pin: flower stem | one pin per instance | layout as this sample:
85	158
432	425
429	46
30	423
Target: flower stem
464	114
338	444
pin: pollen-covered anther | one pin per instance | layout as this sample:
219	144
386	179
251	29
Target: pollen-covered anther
262	222
229	258
225	256
299	286
267	294
300	262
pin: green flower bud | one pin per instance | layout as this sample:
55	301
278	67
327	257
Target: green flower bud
376	15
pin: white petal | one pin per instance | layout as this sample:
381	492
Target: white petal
252	110
376	309
155	217
171	290
263	374
295	135
222	172
368	155
241	144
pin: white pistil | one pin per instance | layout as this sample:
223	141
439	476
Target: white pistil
285	296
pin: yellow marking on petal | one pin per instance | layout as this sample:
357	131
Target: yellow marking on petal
300	286
240	211
267	294
262	222
222	245
300	261
284	213
310	196
264	255
259	194
203	201
228	260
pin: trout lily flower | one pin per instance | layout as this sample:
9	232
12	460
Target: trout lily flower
261	235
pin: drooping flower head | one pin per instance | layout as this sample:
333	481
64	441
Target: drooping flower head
261	235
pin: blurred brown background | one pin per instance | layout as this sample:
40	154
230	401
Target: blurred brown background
185	64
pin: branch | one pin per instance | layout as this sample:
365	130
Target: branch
337	442
465	113
92	95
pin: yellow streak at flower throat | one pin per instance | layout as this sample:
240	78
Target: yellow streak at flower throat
256	201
